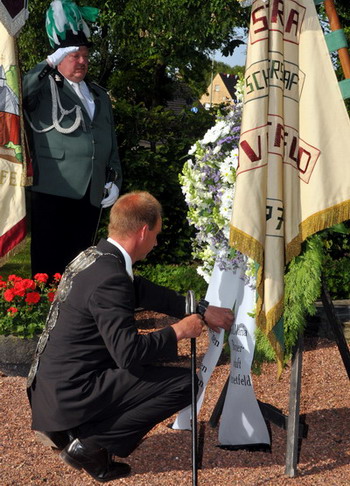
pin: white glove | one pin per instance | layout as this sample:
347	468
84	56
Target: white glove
112	196
56	57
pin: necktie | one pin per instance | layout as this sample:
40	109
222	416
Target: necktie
85	97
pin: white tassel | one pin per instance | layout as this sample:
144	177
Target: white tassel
72	29
86	29
59	15
56	38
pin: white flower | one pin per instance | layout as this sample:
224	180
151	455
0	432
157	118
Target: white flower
208	181
192	149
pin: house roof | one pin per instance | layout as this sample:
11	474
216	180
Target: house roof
230	81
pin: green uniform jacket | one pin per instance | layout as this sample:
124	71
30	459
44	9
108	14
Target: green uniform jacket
64	164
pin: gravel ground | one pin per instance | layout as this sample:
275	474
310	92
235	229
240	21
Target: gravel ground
164	458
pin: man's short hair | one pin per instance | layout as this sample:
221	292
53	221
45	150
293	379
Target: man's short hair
132	211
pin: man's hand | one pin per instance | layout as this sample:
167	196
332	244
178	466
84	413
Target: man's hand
219	318
56	57
189	327
112	196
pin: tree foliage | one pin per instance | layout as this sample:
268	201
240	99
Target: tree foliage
146	53
145	42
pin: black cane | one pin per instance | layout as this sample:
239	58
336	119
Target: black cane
98	221
110	177
191	309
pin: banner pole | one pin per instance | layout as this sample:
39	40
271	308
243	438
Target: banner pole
335	24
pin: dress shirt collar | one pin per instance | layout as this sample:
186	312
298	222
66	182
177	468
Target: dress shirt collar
128	261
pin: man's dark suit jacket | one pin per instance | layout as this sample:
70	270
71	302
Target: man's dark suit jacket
95	353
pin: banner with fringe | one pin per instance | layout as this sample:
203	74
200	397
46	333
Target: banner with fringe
13	174
294	156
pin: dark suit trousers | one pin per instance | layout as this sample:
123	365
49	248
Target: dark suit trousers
120	427
60	229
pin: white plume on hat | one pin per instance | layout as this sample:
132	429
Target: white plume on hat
63	16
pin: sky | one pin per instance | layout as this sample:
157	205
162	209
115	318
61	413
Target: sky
237	59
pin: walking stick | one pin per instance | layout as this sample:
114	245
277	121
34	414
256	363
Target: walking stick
191	309
110	178
98	222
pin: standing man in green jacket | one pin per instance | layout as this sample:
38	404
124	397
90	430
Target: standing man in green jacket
72	142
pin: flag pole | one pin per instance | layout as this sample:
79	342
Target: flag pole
335	24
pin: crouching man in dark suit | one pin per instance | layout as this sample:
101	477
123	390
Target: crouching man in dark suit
93	386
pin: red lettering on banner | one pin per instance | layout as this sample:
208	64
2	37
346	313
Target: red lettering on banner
293	19
265	143
302	164
249	150
264	20
279	135
293	149
276	12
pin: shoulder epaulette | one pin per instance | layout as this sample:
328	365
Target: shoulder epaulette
47	69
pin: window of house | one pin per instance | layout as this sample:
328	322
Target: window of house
217	87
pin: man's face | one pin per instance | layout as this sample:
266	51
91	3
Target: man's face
75	65
150	239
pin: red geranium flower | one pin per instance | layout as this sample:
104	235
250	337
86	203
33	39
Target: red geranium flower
13	278
2	284
57	277
51	296
13	310
32	297
21	286
9	295
41	277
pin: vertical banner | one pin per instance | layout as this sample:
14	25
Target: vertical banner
228	289
12	167
294	156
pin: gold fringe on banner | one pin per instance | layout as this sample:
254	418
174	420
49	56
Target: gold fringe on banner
317	222
17	249
246	244
266	324
253	249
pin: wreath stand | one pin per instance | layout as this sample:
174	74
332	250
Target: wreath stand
294	423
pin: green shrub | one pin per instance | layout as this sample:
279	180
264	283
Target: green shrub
176	277
336	265
337	277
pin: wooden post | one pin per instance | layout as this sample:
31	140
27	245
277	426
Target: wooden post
294	407
335	24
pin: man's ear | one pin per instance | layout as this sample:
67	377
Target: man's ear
143	232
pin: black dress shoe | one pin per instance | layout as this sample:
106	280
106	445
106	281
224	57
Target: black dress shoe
96	462
57	440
